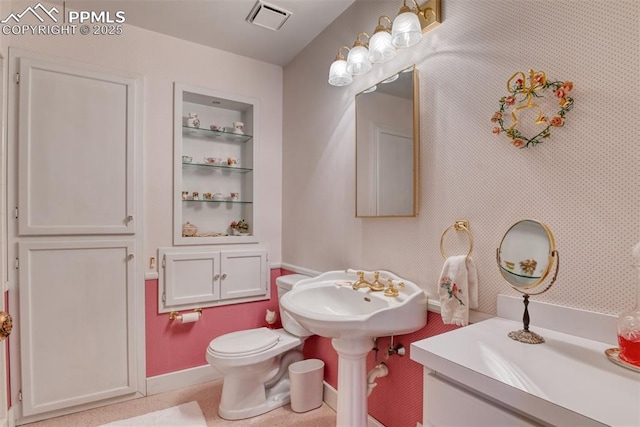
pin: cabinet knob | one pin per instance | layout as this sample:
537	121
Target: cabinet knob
224	275
216	276
130	256
129	218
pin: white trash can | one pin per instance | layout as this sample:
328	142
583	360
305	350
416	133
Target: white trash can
306	379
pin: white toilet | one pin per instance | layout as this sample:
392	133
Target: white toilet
255	363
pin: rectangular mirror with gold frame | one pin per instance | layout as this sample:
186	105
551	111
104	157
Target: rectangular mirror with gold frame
387	145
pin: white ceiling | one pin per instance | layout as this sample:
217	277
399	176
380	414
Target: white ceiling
222	24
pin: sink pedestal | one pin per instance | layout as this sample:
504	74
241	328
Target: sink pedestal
352	380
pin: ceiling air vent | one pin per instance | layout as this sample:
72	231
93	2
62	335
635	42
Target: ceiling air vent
268	16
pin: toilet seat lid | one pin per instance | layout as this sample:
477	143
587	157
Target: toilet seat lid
242	343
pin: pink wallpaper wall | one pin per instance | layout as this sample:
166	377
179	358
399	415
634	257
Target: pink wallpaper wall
173	346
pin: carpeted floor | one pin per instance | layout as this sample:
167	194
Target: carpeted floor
207	395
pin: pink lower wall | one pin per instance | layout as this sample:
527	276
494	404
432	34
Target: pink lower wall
173	346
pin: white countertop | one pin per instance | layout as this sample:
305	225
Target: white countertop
565	381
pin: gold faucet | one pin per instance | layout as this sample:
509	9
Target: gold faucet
362	283
392	291
377	285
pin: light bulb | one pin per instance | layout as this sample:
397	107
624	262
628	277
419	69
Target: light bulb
406	30
338	74
380	48
358	60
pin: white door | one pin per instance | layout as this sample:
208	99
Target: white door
77	289
394	174
75	332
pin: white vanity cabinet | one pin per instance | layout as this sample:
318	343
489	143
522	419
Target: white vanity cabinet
478	376
197	278
214	166
452	404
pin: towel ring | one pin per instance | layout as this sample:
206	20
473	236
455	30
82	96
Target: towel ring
458	226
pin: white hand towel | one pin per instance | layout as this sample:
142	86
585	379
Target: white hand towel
458	290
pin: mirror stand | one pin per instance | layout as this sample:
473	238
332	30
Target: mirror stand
525	335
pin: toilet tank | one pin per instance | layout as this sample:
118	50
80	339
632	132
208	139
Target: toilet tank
284	284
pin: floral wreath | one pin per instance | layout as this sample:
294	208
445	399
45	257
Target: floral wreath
538	84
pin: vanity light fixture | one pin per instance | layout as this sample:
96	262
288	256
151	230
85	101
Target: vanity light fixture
406	30
338	74
358	62
380	47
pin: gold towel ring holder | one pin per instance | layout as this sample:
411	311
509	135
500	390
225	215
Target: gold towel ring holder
459	226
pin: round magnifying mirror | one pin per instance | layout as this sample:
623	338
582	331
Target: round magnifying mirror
525	258
526	253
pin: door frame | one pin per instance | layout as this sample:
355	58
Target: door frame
10	239
4	381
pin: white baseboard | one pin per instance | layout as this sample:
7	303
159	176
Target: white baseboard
181	379
11	418
330	397
298	269
150	275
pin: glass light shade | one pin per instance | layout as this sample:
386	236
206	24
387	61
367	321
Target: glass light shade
380	48
338	74
406	30
358	61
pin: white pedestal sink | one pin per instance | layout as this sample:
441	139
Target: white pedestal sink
327	305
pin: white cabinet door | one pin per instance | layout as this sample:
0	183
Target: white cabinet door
198	278
76	151
448	405
77	323
244	274
195	278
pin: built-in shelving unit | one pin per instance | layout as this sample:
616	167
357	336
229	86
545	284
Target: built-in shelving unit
217	164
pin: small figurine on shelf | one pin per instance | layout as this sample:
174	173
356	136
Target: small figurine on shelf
193	120
240	228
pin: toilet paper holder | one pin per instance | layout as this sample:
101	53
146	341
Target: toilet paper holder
176	315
